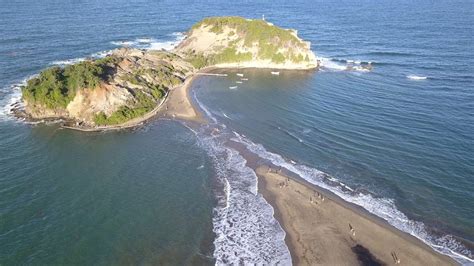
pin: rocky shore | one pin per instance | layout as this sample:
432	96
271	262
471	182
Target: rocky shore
129	86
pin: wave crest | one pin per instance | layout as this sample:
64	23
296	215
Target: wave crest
415	77
151	43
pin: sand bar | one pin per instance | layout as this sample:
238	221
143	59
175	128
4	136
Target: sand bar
333	232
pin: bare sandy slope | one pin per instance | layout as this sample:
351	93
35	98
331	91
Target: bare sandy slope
319	231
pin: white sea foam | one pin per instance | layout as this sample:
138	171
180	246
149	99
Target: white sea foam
246	231
415	77
101	54
206	111
382	207
225	115
343	65
151	43
68	61
9	103
12	98
144	40
72	61
327	63
123	43
293	135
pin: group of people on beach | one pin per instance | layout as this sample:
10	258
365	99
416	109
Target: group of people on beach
320	196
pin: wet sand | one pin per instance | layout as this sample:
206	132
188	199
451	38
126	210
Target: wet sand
323	229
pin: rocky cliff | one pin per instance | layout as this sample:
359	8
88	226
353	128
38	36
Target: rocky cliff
131	83
126	84
240	42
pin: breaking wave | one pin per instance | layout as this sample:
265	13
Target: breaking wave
331	64
68	61
243	222
11	99
246	231
152	43
10	96
415	77
382	207
97	55
232	169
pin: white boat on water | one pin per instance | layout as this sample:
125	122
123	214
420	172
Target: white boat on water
233	87
240	74
244	79
275	73
238	82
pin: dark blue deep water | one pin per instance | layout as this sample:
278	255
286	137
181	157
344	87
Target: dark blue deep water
400	137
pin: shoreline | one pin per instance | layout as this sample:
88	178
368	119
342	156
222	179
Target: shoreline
177	101
322	228
172	101
178	104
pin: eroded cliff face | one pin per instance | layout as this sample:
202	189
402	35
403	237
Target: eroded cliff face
137	72
132	79
106	98
130	83
235	41
40	111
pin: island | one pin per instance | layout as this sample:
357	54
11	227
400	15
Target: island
129	86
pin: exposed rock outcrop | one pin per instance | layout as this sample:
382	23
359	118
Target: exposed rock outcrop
131	83
240	42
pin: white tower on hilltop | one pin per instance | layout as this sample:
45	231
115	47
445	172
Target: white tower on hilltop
263	17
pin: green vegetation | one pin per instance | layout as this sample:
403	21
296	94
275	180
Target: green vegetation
120	116
255	30
268	37
198	60
55	87
143	105
164	74
230	54
278	58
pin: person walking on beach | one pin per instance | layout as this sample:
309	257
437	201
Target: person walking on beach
352	230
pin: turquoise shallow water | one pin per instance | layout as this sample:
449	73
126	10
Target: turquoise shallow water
404	146
115	198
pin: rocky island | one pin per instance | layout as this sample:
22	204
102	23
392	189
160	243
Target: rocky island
129	86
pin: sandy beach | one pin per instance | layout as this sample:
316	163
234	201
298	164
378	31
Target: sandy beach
322	229
179	104
176	104
324	232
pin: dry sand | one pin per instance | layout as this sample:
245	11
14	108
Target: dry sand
319	231
179	103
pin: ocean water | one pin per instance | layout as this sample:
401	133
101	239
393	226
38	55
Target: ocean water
398	140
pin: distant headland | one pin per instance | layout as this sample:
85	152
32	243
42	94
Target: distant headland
129	86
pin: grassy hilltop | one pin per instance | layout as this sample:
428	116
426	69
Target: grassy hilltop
218	40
